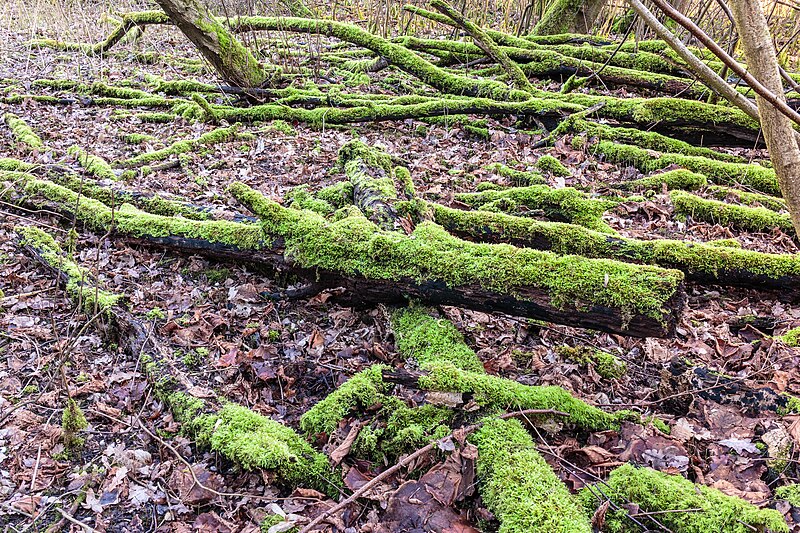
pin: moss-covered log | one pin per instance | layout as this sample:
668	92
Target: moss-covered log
678	504
679	179
700	262
752	199
378	266
218	135
733	216
23	134
518	485
237	433
565	204
445	268
720	172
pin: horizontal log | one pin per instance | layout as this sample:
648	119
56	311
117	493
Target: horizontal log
384	266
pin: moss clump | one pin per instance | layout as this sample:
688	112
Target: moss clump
300	198
518	485
566	204
495	393
156	313
72	421
255	441
218	135
679	179
355	246
734	216
725	243
94	165
548	163
338	195
156	118
93	300
428	340
283	127
23	133
363	390
790	493
656	492
605	364
15	165
791	338
519	177
138	138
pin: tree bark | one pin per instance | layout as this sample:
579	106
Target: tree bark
779	133
234	63
568	16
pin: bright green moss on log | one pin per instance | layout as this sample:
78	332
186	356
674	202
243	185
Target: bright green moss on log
747	198
519	177
704	262
23	134
91	299
219	135
255	441
300	198
518	485
128	220
656	492
734	216
395	54
720	172
566	203
790	493
428	340
548	163
680	179
500	394
642	139
94	165
156	118
10	164
355	246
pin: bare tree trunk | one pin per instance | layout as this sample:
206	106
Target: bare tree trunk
234	63
778	131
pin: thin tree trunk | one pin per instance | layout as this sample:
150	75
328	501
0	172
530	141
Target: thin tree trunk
234	63
778	131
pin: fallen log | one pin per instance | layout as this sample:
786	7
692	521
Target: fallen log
377	266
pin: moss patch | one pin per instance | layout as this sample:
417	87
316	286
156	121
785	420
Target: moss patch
23	134
679	179
734	216
548	163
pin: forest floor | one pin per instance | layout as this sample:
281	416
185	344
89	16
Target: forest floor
280	356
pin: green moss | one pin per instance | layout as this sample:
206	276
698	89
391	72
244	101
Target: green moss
94	165
300	198
127	220
725	243
255	441
195	358
518	485
518	177
559	17
428	340
156	117
720	172
656	492
678	179
216	136
548	163
495	393
734	216
93	300
72	421
363	390
791	338
659	424
138	138
790	493
15	165
701	261
747	198
283	127
156	313
566	203
354	246
605	364
23	134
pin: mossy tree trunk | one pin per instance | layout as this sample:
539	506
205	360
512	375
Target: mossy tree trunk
778	130
234	63
568	16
